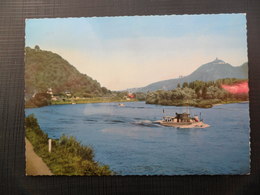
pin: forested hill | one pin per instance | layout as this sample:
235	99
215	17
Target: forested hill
45	69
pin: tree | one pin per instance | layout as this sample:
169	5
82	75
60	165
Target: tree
104	90
185	84
41	99
212	92
152	98
37	48
140	96
198	92
204	92
192	85
189	93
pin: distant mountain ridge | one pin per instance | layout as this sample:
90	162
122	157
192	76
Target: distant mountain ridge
45	69
217	69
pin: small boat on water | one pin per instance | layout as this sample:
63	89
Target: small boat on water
121	105
182	120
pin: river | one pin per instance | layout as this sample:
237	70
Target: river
126	139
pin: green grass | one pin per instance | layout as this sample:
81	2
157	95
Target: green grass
68	156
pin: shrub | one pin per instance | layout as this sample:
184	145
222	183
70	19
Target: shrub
68	156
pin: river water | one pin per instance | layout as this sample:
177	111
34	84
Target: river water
126	139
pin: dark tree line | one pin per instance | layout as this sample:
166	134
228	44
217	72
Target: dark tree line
196	93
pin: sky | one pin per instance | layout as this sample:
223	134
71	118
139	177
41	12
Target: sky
127	52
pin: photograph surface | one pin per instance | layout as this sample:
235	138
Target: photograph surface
137	95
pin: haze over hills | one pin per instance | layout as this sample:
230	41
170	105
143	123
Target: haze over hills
217	69
45	69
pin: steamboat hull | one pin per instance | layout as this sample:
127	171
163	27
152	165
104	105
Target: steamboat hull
183	124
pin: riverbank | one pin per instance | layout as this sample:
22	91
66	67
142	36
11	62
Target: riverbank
34	164
197	103
91	100
67	156
84	101
231	103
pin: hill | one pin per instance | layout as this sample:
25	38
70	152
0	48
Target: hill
211	71
44	69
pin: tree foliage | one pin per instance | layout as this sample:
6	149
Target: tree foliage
68	156
39	100
196	93
44	69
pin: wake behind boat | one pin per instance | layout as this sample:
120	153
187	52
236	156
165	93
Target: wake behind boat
182	120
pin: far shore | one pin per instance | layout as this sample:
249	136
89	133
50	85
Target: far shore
200	105
87	101
230	103
100	100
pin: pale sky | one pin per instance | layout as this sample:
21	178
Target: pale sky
127	52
